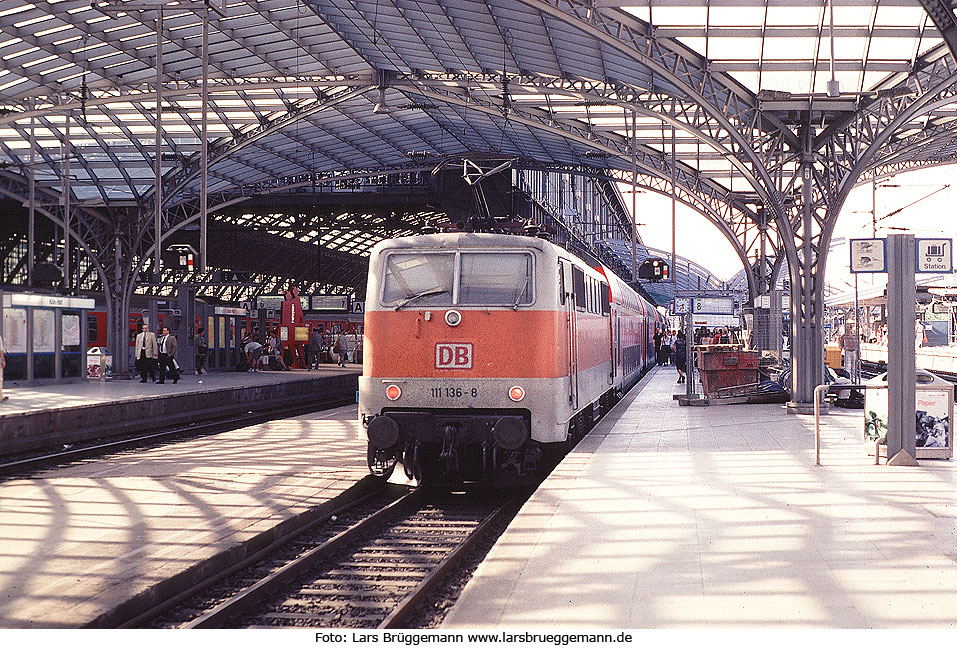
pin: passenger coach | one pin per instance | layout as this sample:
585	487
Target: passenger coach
488	355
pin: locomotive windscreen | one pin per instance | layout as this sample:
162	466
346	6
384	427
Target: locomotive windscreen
484	279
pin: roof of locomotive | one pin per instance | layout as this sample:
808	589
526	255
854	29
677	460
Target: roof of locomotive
462	239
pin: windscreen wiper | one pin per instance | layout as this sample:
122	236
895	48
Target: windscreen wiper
419	295
521	293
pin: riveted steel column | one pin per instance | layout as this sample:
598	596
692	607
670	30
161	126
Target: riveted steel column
901	358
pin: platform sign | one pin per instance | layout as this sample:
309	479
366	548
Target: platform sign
935	255
714	306
329	303
868	255
269	302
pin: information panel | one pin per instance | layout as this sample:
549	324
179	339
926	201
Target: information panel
935	255
714	305
868	256
329	303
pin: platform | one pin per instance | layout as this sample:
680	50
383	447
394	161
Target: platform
690	517
83	544
53	415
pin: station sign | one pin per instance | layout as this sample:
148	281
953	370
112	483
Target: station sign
269	302
935	255
868	255
329	303
48	301
714	305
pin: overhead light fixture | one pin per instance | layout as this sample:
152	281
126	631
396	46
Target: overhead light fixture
381	107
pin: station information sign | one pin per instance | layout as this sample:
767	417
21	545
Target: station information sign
868	255
269	302
714	305
935	255
329	303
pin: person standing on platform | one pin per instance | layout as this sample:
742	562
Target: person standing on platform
3	363
202	350
315	349
657	339
342	348
167	357
681	355
145	352
664	355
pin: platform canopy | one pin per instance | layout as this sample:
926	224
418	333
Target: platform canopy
328	86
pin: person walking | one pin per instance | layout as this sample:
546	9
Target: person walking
657	339
202	350
342	348
167	357
681	355
145	352
3	364
315	349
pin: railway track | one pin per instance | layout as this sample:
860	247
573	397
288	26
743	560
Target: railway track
367	567
47	458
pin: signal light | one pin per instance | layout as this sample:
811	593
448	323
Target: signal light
393	392
516	393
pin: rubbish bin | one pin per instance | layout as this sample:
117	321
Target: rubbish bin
99	363
935	414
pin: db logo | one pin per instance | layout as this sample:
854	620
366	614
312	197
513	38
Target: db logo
452	355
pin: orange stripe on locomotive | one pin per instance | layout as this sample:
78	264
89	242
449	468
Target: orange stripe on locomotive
505	343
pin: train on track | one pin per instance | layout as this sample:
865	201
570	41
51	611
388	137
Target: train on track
489	355
235	328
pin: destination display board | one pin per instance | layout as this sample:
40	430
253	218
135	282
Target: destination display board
714	305
328	303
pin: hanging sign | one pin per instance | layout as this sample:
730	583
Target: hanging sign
935	255
868	255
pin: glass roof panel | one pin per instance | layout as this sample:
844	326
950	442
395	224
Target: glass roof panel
736	16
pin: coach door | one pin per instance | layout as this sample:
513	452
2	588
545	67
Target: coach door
571	320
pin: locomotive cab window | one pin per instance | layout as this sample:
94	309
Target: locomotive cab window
458	278
422	278
495	279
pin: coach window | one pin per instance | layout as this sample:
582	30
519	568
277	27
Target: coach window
425	279
497	279
578	280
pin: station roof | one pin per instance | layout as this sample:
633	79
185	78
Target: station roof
332	86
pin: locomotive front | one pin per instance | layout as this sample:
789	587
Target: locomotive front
460	368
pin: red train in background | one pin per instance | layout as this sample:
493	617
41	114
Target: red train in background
298	326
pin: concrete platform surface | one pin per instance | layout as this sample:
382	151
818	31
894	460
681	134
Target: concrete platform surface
92	392
689	517
79	541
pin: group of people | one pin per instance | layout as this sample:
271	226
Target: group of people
156	354
318	344
263	355
671	346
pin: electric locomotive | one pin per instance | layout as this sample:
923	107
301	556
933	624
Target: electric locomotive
487	356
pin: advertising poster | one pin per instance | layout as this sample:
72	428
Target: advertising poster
933	421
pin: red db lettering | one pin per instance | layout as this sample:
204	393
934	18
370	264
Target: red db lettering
453	355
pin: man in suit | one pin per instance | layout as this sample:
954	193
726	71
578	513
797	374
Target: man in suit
145	353
167	355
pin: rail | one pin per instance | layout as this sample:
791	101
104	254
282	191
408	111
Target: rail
819	392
